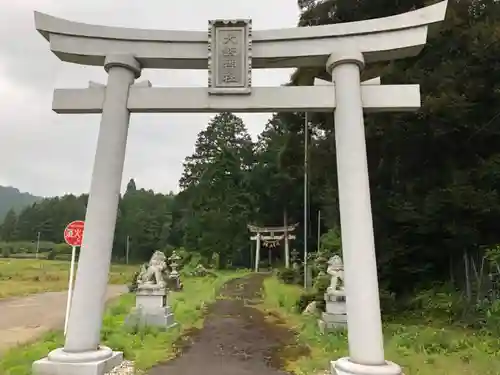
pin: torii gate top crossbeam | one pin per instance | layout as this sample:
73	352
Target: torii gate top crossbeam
256	229
270	238
379	39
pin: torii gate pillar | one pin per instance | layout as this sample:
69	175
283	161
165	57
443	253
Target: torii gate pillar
366	345
257	252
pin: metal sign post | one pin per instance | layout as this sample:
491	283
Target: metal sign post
73	236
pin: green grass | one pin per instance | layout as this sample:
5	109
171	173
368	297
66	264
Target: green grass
20	277
420	349
146	346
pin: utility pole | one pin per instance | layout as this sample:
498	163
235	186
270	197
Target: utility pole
37	244
127	249
287	242
306	216
319	228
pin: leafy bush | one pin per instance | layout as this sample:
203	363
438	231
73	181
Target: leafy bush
189	259
492	315
288	275
331	243
307	297
6	252
60	251
442	304
201	271
215	261
27	247
65	257
62	248
185	256
22	256
195	258
450	306
322	283
387	301
192	261
132	286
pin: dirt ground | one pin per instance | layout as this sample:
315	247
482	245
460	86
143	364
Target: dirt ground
23	319
236	338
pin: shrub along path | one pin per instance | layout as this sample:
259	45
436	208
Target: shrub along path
236	338
23	319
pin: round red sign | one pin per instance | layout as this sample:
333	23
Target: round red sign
73	234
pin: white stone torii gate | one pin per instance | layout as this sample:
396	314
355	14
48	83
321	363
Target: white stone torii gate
230	50
269	234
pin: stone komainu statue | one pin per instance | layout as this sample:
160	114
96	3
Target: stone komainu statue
336	272
155	273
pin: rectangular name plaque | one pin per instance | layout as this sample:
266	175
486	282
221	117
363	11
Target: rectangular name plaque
230	57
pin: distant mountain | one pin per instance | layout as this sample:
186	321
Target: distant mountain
12	198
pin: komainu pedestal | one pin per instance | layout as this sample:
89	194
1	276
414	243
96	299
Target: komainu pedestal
335	316
151	308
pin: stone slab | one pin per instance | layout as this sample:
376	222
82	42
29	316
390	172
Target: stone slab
336	307
151	302
150	291
332	322
46	367
161	318
334	296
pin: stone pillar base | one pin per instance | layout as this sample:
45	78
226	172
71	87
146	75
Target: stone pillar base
59	362
159	317
344	366
332	322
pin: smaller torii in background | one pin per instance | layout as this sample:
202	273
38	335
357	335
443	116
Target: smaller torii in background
271	237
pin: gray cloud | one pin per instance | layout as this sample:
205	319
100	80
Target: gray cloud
50	154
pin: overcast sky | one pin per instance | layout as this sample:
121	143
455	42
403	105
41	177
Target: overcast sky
49	154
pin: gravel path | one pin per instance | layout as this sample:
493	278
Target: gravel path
236	339
23	319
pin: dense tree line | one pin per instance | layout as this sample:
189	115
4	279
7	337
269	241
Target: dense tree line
144	219
12	198
434	174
